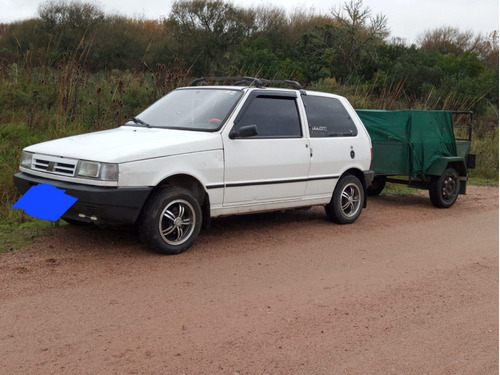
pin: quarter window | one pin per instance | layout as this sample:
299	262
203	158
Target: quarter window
328	118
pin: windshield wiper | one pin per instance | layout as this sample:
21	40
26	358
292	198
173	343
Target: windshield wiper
140	122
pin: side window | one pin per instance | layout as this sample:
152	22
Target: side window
328	118
274	117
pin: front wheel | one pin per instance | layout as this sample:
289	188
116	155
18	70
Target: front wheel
444	189
347	201
171	220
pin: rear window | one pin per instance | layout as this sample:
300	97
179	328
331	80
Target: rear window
328	118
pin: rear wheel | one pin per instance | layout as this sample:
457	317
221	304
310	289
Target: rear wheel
444	189
347	201
171	220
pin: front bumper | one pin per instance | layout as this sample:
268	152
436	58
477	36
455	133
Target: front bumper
99	205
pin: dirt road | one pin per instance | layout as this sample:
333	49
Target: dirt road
407	289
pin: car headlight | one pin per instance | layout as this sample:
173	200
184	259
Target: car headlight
100	171
26	159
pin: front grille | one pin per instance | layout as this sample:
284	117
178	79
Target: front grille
51	164
41	164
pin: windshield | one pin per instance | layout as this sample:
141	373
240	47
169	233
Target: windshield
190	109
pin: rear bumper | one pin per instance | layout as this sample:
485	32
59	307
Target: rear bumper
99	205
369	176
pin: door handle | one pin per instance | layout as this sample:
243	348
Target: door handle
310	150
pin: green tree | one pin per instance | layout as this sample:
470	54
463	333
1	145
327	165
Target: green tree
317	53
446	40
464	65
124	43
272	24
208	31
70	26
24	42
357	34
488	50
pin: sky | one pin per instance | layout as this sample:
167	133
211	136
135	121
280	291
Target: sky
407	19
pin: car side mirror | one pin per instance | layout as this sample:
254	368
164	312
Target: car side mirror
246	131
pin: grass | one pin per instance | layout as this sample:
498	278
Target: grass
398	189
486	150
15	235
479	181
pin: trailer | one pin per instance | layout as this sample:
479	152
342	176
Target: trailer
421	149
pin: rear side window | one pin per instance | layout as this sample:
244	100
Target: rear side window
328	118
274	116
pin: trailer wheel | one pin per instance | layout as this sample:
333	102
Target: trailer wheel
444	189
347	201
377	185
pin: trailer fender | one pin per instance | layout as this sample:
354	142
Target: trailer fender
441	164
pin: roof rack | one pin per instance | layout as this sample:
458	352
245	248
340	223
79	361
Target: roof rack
294	84
240	81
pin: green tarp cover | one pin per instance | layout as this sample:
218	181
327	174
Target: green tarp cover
427	135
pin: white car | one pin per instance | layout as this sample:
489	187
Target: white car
209	151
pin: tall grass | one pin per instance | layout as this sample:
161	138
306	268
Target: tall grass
39	104
485	144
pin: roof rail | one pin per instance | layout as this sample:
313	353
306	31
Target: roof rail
239	80
294	84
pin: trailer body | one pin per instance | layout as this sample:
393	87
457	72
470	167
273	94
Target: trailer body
422	149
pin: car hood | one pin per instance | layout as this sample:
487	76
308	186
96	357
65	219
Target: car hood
129	143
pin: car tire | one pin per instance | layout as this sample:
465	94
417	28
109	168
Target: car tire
347	201
171	220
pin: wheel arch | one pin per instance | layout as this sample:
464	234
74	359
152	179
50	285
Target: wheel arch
192	184
441	164
459	166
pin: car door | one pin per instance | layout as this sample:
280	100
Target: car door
333	142
266	156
